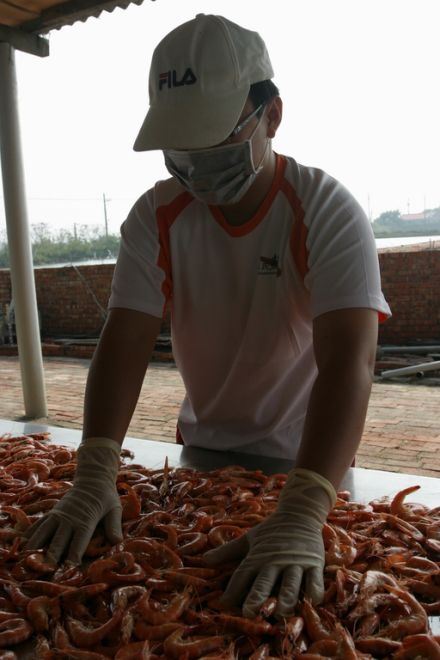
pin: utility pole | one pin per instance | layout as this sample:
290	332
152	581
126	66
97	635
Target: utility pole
370	212
105	213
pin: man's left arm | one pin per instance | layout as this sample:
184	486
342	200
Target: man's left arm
287	548
345	342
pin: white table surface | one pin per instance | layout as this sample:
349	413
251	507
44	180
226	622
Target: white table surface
363	484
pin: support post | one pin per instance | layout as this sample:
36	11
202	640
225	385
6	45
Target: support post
20	251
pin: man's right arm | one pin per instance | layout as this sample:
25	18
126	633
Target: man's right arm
115	379
117	372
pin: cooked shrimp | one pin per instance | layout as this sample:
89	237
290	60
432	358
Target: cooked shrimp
44	588
159	632
42	609
315	626
191	543
268	607
14	631
131	504
126	602
158	555
377	645
183	644
17	596
10	655
397	507
84	635
418	646
39	562
119	568
243	625
223	534
122	596
324	647
413	623
75	654
157	612
22	521
81	594
227	654
134	651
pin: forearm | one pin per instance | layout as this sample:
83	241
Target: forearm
116	374
335	419
112	391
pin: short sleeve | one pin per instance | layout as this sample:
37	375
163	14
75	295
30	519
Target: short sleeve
138	279
343	265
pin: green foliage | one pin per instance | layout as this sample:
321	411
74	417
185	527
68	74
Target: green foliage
85	243
81	244
388	220
391	223
4	256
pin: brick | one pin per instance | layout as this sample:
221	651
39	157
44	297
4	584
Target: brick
410	279
401	447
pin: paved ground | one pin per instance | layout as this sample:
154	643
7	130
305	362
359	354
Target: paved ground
402	432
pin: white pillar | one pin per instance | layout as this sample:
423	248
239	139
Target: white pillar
20	252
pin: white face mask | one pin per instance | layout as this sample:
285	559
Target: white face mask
218	175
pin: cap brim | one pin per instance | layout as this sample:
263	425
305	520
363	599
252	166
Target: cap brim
194	124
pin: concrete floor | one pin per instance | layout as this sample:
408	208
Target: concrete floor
402	431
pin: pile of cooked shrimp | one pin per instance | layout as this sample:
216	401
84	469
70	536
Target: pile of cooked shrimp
152	596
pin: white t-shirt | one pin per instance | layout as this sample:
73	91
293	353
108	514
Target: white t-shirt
243	299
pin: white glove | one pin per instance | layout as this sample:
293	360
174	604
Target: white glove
93	497
287	545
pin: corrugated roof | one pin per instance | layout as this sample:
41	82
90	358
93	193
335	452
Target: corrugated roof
40	16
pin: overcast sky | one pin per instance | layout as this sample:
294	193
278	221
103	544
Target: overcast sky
359	80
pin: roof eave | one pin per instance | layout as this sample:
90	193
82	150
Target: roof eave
70	12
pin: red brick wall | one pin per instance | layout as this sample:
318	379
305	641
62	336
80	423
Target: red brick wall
5	288
73	300
410	281
411	284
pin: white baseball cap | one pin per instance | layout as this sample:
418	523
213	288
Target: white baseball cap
200	77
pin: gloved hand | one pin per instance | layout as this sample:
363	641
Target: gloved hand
93	497
288	545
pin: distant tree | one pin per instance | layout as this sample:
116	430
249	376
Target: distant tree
4	255
389	219
81	244
390	223
40	232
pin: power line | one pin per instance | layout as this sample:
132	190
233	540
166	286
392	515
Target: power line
74	199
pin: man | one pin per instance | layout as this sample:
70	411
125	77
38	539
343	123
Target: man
272	275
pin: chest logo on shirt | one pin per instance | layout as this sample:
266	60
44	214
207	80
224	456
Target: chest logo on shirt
269	266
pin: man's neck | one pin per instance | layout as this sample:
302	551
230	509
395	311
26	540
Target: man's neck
240	213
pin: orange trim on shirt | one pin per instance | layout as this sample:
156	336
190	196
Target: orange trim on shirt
165	216
298	235
247	227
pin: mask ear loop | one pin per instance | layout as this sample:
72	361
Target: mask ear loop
259	167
